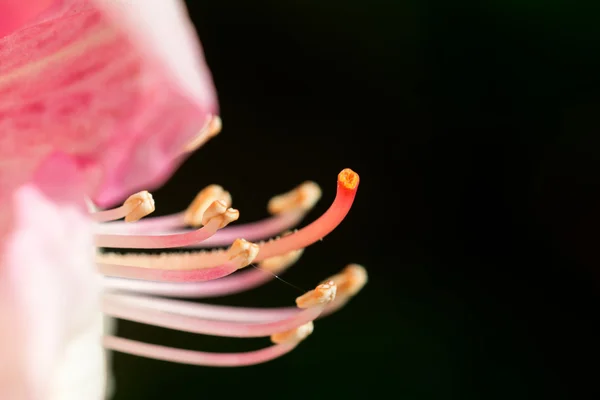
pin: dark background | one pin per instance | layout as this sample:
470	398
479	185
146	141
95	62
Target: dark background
474	127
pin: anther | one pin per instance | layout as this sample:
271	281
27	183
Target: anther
210	130
350	280
142	204
293	335
244	249
324	293
218	210
215	126
303	197
279	263
193	216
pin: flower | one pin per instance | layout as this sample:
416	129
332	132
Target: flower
100	98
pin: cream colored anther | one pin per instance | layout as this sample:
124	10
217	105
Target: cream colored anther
303	197
141	203
324	293
245	249
218	210
210	130
193	216
293	335
278	263
350	280
214	127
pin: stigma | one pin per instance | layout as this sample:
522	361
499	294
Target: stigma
136	284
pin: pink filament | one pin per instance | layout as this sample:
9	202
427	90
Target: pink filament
146	315
196	357
164	223
158	241
115	213
166	275
206	311
252	231
236	283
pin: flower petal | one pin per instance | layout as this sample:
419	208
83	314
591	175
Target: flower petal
120	86
15	13
50	320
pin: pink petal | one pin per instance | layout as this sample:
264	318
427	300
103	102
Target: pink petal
50	320
15	13
119	85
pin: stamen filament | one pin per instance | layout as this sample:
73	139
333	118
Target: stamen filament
237	283
205	311
166	275
241	253
116	308
253	231
197	357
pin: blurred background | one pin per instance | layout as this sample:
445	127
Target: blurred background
474	128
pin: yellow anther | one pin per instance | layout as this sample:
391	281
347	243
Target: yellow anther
142	204
194	214
218	210
208	131
324	293
215	126
278	263
245	249
293	335
303	197
350	280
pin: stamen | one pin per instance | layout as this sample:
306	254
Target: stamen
323	294
179	269
191	216
212	129
135	207
304	197
349	282
277	264
294	335
197	357
346	192
288	210
194	214
218	216
237	283
129	308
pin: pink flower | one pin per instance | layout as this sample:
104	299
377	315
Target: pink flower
101	98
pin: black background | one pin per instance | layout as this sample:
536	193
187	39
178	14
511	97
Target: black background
474	128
